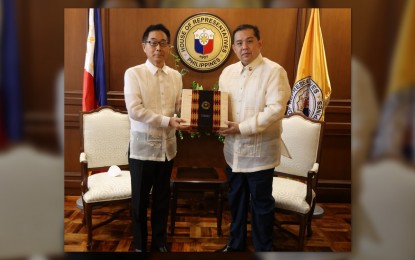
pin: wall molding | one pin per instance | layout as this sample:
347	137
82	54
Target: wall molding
334	191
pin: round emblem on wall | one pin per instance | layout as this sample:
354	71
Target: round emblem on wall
203	42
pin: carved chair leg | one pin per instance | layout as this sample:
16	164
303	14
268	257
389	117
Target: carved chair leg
301	233
309	229
88	220
83	217
309	219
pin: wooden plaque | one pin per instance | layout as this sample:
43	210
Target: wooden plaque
204	110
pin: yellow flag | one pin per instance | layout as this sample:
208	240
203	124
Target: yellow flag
402	70
311	91
395	135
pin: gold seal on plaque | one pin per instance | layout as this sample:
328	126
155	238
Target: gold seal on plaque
205	105
203	42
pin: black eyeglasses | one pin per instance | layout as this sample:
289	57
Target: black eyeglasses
155	43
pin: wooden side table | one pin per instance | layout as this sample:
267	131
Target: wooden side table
197	179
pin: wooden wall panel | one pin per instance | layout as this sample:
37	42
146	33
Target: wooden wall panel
335	171
126	28
282	31
76	30
336	30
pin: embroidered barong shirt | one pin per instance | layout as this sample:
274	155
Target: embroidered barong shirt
152	96
258	93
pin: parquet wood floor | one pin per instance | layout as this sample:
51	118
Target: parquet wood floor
196	229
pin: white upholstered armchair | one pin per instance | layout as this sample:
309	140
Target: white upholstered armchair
295	181
105	136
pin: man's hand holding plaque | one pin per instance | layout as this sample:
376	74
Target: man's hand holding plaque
177	123
233	128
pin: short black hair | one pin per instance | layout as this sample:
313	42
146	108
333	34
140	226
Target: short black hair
156	27
247	26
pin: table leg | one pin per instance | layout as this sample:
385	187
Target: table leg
219	213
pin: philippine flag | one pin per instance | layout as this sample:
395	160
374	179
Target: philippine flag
94	85
204	41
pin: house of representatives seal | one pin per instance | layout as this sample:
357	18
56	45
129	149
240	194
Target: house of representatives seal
203	42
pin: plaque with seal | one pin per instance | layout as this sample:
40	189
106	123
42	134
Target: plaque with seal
204	110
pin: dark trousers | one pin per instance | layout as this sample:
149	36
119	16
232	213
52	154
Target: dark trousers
144	175
251	190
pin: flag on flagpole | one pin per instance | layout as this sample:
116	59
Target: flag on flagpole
396	131
311	91
11	125
94	84
402	70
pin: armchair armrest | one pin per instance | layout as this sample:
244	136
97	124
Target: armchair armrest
315	167
82	157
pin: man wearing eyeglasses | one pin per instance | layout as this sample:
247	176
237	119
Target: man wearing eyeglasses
152	96
259	91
